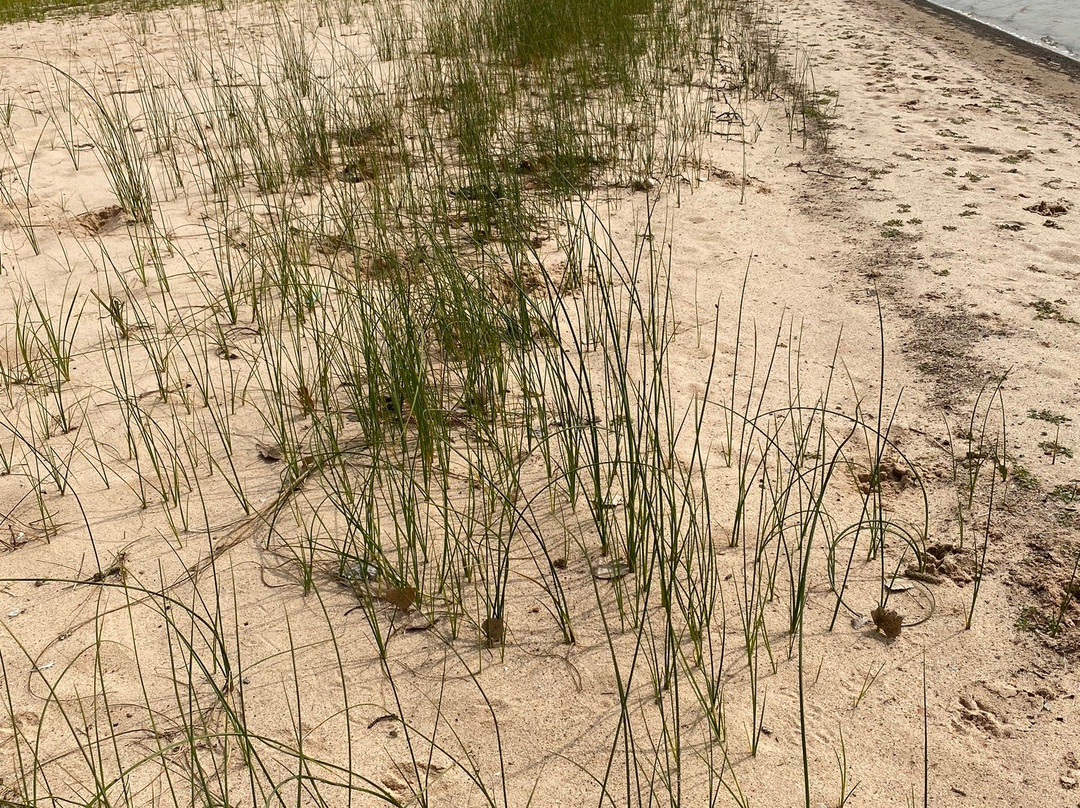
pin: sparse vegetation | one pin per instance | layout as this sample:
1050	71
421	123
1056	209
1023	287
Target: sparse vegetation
1065	494
1051	417
1051	310
1054	450
1022	478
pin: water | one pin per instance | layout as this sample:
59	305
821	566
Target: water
1053	24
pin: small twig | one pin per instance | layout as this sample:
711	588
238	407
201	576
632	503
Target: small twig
799	166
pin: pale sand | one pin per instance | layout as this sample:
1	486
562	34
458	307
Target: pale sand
931	125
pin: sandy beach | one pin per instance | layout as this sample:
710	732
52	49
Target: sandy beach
860	394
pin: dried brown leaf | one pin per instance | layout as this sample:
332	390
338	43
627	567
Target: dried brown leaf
494	631
401	597
888	621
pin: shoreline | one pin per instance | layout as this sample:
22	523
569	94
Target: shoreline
969	36
1070	62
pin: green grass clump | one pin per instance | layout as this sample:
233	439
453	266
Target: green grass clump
537	32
